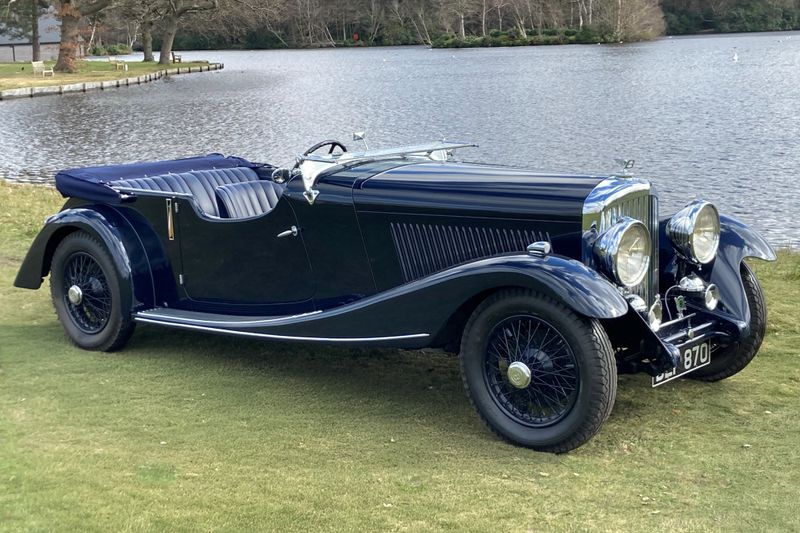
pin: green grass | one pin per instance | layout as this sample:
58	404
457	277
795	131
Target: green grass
191	432
20	74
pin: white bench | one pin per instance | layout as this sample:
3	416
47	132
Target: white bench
39	68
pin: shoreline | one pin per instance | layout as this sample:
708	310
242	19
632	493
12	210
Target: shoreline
82	87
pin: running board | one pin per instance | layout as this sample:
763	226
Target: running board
315	326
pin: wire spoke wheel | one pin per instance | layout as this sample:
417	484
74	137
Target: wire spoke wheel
91	298
86	292
531	371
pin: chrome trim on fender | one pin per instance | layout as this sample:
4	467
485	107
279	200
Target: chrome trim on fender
282	337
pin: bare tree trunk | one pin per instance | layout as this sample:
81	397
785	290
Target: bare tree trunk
424	34
171	28
91	37
132	29
483	20
36	49
327	34
461	29
147	40
67	50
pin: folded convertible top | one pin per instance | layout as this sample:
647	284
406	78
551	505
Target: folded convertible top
90	183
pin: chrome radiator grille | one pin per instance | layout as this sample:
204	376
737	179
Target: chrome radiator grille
626	197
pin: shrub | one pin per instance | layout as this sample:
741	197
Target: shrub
110	50
588	35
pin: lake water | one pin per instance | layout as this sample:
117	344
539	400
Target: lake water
716	117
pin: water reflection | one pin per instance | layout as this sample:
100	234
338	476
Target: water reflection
698	123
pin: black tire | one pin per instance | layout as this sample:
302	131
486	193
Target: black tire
580	342
97	321
733	359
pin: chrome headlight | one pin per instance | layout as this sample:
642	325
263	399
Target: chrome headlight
623	251
694	230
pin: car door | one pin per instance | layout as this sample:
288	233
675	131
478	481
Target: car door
257	263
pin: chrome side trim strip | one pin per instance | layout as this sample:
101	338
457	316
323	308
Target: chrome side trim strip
152	192
282	337
171	319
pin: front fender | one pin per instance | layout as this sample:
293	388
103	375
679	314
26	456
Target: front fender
114	230
568	281
737	241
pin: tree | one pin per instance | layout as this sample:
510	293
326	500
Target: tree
462	9
141	17
20	19
71	12
175	9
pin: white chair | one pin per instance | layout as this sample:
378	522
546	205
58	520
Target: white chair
39	68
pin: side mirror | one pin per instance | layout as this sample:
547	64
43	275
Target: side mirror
281	175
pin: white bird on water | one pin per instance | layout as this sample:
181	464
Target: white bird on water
735	57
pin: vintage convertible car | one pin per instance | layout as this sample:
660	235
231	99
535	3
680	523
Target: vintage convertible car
548	285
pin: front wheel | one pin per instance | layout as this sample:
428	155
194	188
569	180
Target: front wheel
87	294
538	374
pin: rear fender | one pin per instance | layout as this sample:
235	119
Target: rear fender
115	231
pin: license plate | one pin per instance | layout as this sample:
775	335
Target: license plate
692	358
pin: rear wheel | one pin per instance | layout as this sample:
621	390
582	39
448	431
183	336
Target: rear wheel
733	359
86	290
538	374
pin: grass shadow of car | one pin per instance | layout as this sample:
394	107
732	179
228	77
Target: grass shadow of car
380	390
403	383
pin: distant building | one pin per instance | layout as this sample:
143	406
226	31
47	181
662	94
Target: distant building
49	38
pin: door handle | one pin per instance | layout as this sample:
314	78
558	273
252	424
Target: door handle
293	231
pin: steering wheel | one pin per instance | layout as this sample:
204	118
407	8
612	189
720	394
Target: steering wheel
333	145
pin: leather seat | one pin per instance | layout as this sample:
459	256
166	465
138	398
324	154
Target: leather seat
248	199
199	183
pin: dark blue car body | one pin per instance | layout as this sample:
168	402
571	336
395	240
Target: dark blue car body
393	251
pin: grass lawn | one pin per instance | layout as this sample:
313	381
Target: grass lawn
20	74
192	432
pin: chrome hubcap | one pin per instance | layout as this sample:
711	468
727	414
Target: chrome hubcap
75	295
519	374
